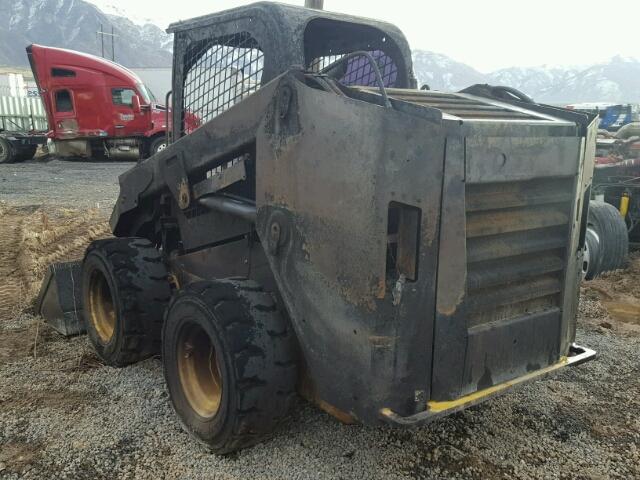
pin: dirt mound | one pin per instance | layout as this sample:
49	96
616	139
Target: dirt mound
615	296
31	238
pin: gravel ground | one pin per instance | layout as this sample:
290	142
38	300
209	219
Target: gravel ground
56	182
64	415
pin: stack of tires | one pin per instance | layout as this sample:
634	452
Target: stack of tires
606	242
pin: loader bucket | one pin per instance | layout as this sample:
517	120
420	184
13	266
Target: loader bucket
60	299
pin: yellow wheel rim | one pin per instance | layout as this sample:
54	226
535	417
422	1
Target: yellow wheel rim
101	306
198	370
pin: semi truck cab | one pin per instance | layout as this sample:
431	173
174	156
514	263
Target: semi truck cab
95	107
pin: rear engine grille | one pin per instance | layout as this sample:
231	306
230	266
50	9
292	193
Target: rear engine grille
458	105
516	248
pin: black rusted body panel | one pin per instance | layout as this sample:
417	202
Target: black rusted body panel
480	199
335	216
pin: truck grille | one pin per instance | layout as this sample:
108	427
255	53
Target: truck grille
516	248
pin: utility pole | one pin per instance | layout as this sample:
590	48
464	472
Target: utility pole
317	4
102	34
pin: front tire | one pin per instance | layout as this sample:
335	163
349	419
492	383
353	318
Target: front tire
229	363
157	145
125	291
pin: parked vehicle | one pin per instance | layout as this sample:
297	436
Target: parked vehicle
617	116
616	178
95	107
395	254
19	146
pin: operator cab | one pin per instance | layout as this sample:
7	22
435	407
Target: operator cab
220	59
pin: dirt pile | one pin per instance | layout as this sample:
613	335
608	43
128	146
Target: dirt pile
613	299
31	238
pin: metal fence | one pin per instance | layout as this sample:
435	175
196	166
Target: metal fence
22	113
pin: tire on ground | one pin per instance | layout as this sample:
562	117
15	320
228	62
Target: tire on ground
592	257
605	220
125	291
157	144
229	363
25	153
7	152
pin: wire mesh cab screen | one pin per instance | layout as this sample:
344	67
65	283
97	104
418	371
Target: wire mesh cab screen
359	71
327	41
219	73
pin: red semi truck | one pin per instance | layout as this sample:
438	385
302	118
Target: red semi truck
95	107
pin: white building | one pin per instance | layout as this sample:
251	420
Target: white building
17	85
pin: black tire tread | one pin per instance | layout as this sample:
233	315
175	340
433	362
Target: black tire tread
10	155
249	318
25	153
605	219
143	289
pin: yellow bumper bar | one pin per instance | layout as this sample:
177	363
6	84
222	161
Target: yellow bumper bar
437	410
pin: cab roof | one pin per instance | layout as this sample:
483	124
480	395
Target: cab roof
60	57
279	13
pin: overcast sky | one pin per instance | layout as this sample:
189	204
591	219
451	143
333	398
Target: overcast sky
486	34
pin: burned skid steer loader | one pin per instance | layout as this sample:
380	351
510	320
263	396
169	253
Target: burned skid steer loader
394	254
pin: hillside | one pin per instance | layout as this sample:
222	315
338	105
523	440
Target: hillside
74	24
617	80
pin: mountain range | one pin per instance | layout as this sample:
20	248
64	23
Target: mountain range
139	43
75	24
617	80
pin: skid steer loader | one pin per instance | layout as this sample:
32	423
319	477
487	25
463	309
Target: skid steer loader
394	254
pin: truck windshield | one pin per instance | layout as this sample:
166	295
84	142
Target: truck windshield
147	95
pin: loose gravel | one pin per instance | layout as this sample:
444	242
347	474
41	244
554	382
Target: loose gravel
56	182
65	415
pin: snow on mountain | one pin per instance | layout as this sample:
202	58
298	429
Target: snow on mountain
141	43
443	73
534	81
107	7
617	80
74	24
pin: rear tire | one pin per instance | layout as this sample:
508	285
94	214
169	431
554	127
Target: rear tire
592	257
229	363
609	226
25	153
125	291
7	152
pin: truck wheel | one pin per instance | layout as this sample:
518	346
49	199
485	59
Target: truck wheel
611	230
157	145
229	363
125	291
7	152
25	153
592	257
